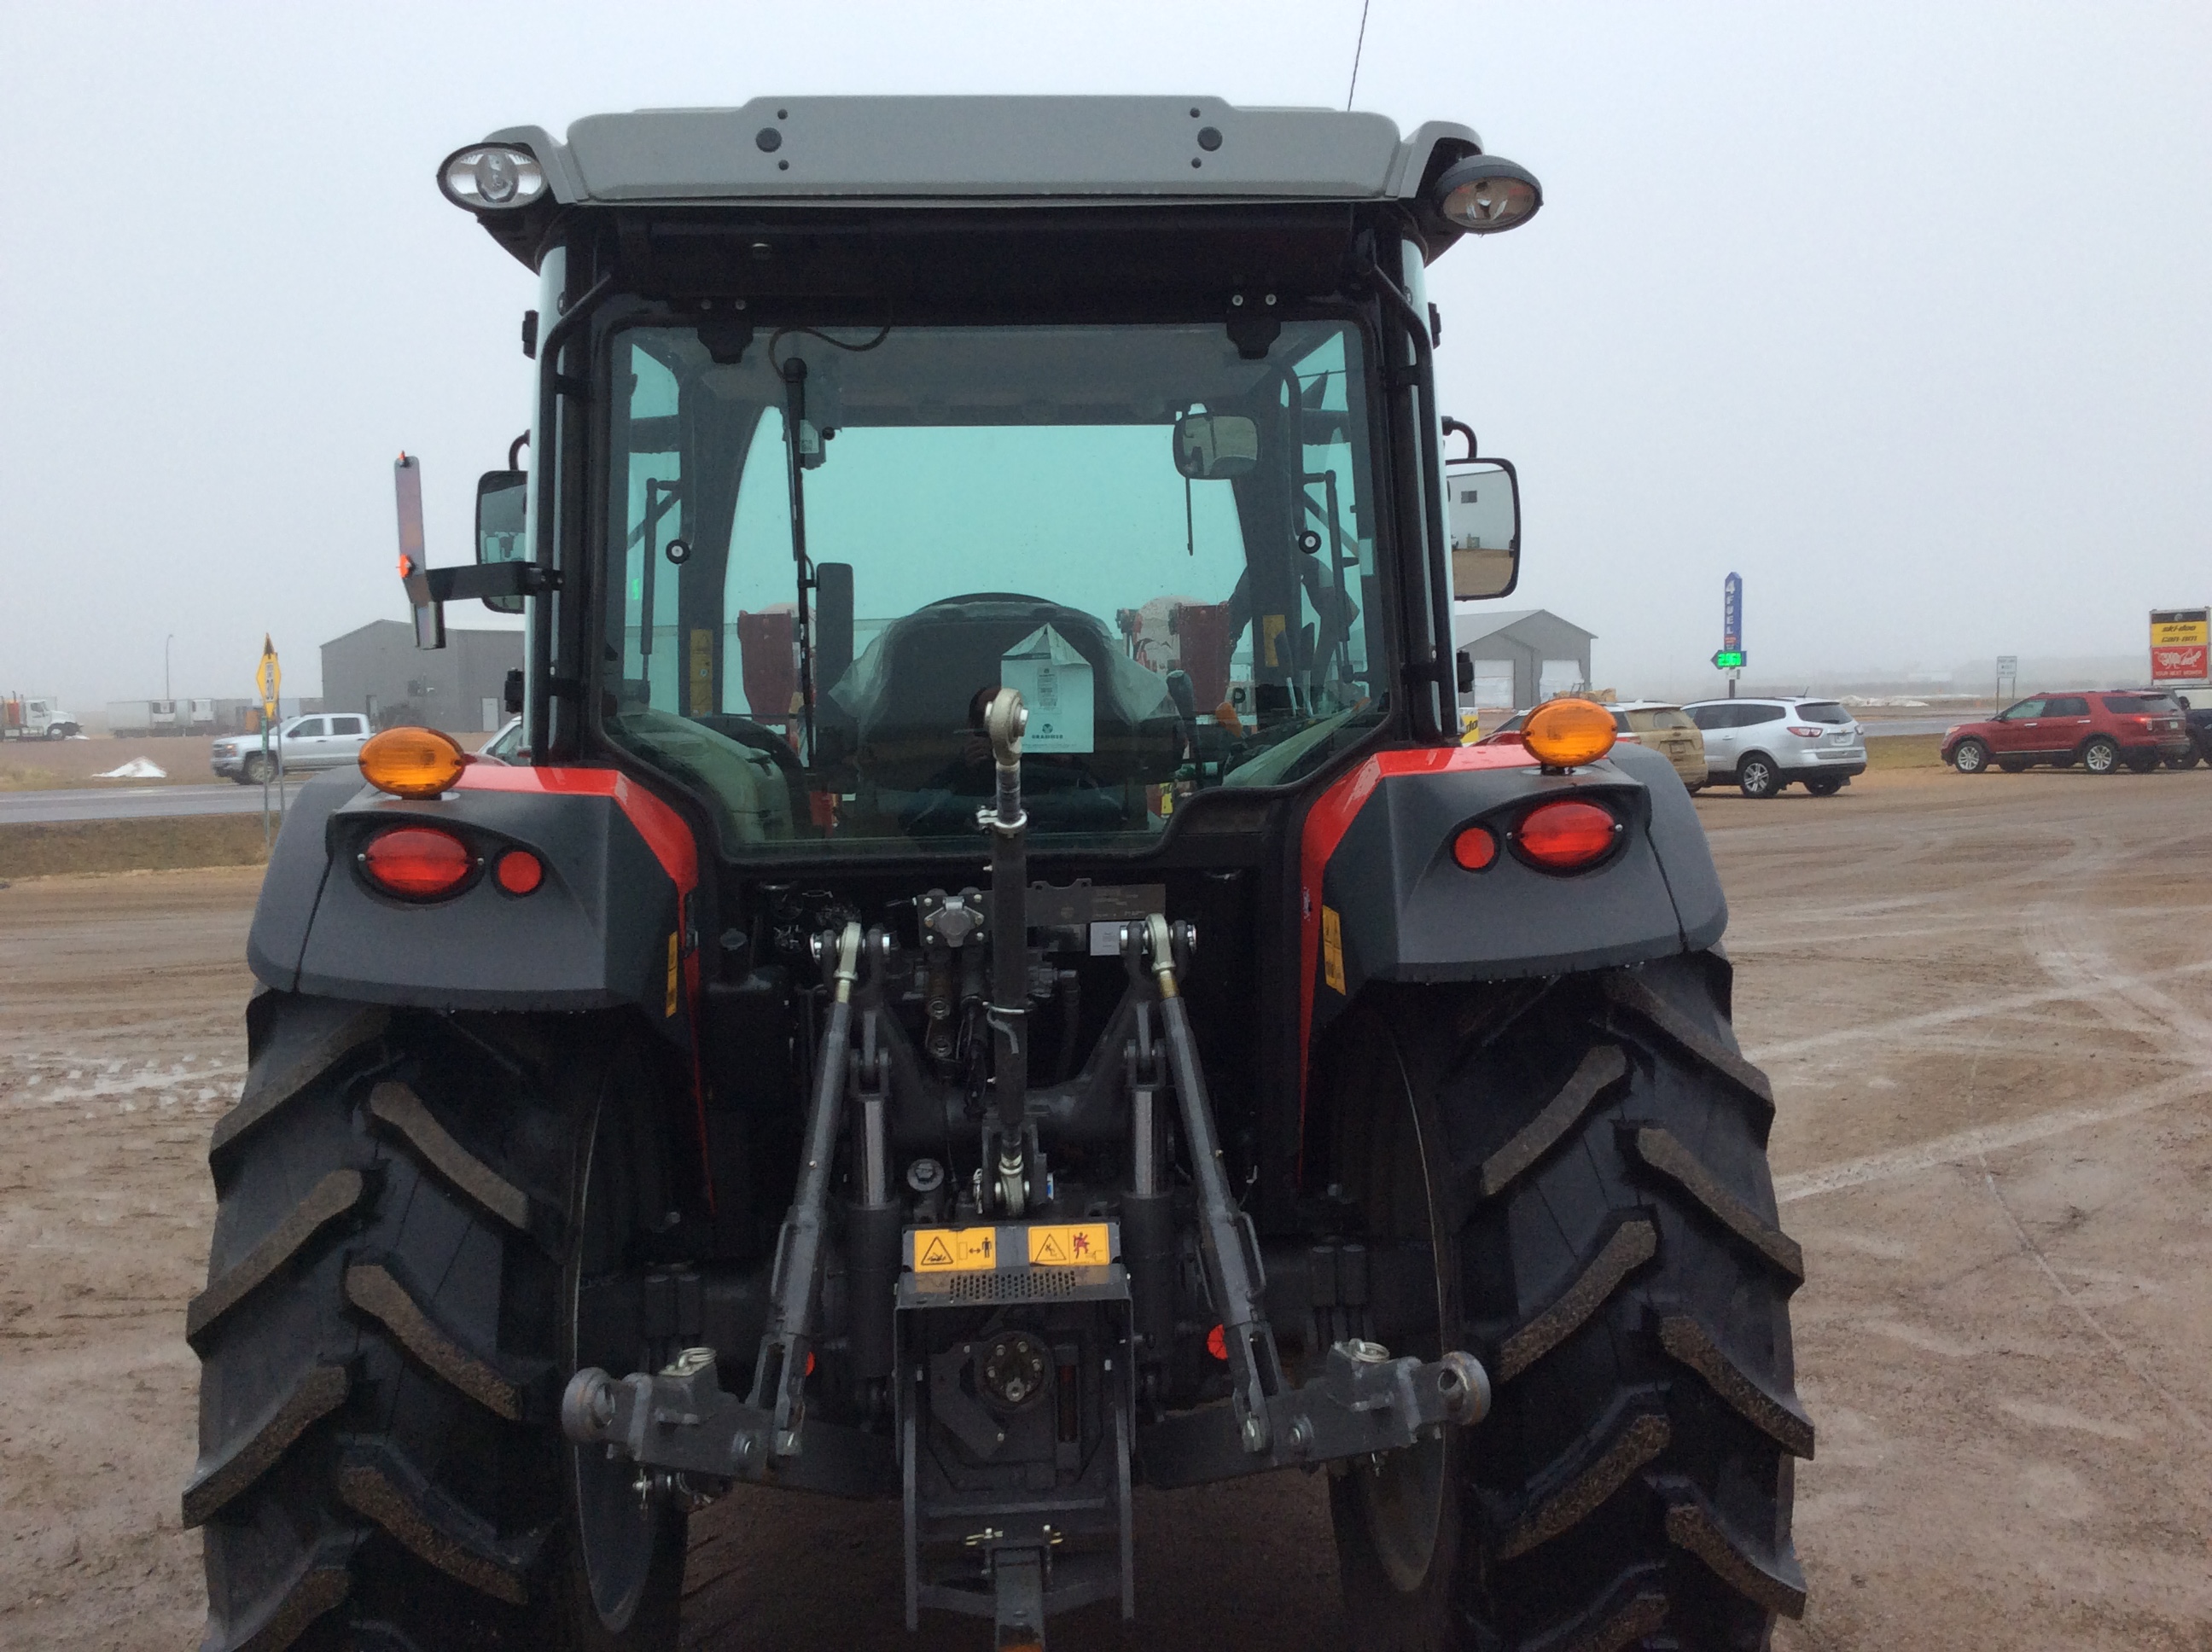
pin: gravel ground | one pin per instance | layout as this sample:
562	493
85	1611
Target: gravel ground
1987	1007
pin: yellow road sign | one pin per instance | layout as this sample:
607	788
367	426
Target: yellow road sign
268	675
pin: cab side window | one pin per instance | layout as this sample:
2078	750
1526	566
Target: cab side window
2066	705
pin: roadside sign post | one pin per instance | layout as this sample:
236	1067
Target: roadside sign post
2007	671
268	677
2180	639
1730	657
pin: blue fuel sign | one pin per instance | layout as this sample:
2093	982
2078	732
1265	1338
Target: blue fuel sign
1732	614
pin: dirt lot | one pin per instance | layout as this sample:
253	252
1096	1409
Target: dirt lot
1987	1007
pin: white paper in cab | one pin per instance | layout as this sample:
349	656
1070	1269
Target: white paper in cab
1055	683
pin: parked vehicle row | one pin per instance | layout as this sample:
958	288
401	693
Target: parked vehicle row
2102	729
1760	746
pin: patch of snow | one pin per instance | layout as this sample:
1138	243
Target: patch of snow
138	768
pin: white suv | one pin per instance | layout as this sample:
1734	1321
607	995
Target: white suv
318	740
1764	744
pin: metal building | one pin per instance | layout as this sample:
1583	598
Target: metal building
1521	656
379	669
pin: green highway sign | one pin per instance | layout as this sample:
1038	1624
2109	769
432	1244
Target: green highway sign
1728	660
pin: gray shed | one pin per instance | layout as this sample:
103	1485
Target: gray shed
379	669
1520	656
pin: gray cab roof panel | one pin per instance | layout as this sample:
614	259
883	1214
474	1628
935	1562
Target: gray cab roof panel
983	148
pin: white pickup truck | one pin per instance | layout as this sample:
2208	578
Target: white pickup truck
318	740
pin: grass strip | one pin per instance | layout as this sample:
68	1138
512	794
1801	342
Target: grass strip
1904	751
44	848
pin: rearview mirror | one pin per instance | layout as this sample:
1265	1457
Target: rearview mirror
1482	514
1215	446
502	496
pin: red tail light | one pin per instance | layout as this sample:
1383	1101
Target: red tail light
421	863
1475	847
1566	835
520	871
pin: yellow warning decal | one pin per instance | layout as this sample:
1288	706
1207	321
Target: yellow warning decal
1332	949
674	969
1072	1244
954	1250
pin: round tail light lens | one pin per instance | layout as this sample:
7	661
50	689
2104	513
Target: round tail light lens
1475	847
1566	835
520	871
420	863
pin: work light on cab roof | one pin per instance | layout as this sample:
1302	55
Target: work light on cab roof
1487	194
491	178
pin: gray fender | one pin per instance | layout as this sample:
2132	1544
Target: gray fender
1395	906
596	933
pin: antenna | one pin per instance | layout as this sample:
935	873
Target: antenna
1357	46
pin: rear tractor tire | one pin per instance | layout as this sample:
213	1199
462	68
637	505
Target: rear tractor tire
410	1210
1970	757
1592	1151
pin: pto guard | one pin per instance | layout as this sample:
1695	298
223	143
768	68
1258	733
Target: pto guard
1382	898
608	927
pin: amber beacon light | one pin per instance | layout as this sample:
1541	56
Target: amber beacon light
411	763
1567	733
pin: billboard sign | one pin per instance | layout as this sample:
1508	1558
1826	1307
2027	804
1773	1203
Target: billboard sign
1732	614
2179	641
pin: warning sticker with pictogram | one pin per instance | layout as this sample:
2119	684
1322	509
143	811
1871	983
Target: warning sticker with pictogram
954	1250
1077	1244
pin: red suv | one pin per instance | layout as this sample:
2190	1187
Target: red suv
2100	730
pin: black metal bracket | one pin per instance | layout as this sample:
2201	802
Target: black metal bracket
467	581
1364	1401
680	1418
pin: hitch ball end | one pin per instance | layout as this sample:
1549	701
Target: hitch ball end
587	1406
1464	1386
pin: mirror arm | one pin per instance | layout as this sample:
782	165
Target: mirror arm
474	581
1452	426
514	450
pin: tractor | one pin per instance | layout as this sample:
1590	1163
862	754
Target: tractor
990	980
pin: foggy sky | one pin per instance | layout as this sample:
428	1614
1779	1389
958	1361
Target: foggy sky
1904	311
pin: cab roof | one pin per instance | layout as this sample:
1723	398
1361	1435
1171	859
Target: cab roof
967	149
